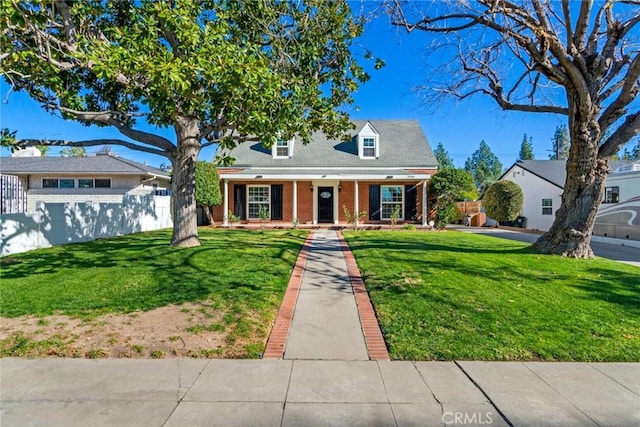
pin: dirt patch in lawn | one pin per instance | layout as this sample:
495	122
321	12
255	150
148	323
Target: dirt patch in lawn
186	330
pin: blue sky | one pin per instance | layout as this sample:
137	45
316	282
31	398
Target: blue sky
389	94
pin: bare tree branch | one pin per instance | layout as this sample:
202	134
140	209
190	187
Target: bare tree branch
626	131
628	92
89	143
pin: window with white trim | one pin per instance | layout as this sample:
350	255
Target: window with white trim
547	206
368	147
258	199
611	195
391	198
282	148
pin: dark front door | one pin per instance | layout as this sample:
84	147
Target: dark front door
325	204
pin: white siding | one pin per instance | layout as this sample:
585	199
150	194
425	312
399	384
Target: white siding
120	186
535	189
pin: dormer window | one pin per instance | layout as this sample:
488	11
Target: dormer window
282	149
369	147
368	142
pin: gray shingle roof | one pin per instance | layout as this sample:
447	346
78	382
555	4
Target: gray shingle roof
554	171
402	144
75	165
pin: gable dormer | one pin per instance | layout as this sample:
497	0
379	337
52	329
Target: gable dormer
282	149
368	140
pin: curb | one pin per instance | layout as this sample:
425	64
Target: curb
277	340
376	346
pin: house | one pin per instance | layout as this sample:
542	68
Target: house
383	168
49	201
542	182
101	178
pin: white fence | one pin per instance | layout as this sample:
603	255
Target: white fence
60	223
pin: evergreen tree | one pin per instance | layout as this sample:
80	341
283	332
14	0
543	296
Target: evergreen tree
635	152
484	166
444	160
561	143
526	149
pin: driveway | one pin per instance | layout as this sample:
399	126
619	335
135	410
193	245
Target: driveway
603	247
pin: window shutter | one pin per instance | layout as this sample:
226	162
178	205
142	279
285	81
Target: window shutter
276	201
410	202
374	202
239	200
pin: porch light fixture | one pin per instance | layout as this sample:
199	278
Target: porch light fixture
311	188
339	188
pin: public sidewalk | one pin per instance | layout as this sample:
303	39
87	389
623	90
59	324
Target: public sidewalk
201	392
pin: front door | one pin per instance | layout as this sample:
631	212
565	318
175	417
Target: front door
325	204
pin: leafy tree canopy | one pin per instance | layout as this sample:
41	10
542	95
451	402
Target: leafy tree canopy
448	186
216	71
207	184
73	152
484	166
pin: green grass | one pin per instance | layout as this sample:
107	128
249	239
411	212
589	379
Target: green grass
244	269
450	295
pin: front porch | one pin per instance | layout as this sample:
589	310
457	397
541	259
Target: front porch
321	201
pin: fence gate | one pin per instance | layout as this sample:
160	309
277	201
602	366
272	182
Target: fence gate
13	195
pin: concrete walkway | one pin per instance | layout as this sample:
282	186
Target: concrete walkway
325	323
200	392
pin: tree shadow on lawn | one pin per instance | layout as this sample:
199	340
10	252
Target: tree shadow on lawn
166	275
624	290
147	249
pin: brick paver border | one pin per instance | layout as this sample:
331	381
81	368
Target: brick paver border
376	347
278	337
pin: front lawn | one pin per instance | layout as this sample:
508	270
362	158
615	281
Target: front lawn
232	285
451	295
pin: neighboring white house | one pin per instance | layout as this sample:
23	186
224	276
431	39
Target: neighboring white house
542	182
48	201
101	178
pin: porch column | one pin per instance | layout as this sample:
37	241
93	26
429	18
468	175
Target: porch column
225	214
295	201
356	205
424	203
314	195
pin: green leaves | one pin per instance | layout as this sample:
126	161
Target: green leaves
503	200
207	184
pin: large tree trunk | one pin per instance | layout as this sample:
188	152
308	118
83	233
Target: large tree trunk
570	234
183	183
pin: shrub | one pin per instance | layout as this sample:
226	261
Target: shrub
503	200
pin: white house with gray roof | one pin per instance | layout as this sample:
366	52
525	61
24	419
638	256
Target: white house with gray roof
49	201
384	166
100	178
542	182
